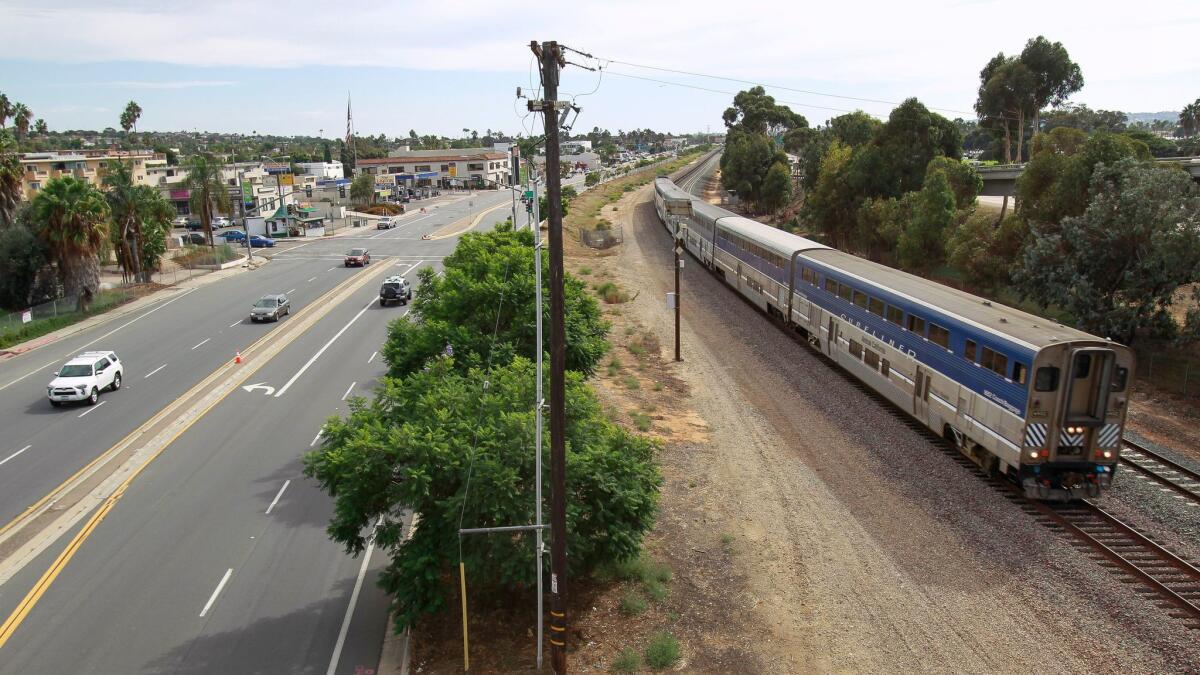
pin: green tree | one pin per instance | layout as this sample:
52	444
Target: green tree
40	128
5	110
964	179
209	194
922	246
1189	118
1055	75
22	116
1158	146
130	116
413	448
70	217
592	179
985	254
10	177
327	154
1117	265
832	205
911	137
22	256
755	112
362	189
1084	118
487	288
141	217
777	187
566	195
745	162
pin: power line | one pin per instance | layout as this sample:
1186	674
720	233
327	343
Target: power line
718	91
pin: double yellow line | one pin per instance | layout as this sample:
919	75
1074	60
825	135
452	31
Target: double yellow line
319	308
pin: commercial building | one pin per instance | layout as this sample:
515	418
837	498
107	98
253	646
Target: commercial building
467	167
86	165
322	170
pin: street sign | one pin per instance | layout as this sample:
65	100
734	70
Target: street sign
678	250
529	194
287	179
453	170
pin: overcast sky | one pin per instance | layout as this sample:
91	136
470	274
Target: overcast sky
439	67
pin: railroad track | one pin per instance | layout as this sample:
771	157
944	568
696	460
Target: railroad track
1158	468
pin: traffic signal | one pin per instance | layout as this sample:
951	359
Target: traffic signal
342	191
308	191
291	209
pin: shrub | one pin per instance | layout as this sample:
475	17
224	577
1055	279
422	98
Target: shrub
642	421
611	293
663	651
631	382
628	661
636	348
585	271
632	603
657	591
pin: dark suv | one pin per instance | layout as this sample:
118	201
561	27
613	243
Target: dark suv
395	289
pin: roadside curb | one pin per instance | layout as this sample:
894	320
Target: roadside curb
396	657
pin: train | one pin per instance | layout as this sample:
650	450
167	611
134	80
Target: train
1022	396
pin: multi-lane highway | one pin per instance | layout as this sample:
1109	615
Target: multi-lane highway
212	556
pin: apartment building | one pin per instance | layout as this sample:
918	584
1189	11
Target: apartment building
86	165
475	167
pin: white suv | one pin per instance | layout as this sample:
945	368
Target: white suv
82	378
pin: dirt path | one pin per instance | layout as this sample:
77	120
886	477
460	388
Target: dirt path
812	530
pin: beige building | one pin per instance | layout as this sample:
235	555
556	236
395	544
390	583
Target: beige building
475	167
86	165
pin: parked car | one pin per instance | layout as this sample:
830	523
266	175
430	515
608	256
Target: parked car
396	289
195	239
358	257
270	308
219	222
233	235
179	221
194	224
259	241
84	377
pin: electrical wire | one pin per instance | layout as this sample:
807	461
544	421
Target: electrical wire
718	91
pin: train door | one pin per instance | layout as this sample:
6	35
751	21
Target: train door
1088	384
921	394
831	341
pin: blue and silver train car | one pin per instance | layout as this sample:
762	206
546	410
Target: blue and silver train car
1029	398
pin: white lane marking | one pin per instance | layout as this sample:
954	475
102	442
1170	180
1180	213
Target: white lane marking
277	496
217	591
331	269
154	371
139	318
202	342
315	439
373	355
362	573
32	372
310	280
95	407
321	351
290	290
348	389
412	267
402	224
236	323
2	461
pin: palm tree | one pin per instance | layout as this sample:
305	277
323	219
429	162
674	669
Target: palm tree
40	128
21	115
129	118
71	218
10	177
209	192
5	110
125	207
1189	119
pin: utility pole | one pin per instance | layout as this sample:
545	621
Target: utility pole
541	404
678	265
551	60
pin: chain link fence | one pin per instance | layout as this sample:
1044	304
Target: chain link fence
602	238
66	307
1171	370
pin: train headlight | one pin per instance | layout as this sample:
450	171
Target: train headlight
1108	454
1033	454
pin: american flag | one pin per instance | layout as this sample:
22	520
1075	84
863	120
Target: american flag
349	127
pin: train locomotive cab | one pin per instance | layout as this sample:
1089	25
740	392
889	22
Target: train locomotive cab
1075	420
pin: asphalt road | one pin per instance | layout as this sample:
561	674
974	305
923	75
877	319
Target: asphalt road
215	559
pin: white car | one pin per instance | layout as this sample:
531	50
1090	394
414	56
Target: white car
84	377
179	221
219	222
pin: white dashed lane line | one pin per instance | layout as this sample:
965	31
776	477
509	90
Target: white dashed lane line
93	408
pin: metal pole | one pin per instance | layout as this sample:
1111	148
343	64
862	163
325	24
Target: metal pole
537	442
245	225
678	299
550	56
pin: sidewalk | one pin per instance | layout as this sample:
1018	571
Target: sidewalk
124	310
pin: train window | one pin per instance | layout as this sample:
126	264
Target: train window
995	361
1019	372
1046	379
875	306
844	291
895	315
1083	365
1120	378
871	359
939	335
855	349
807	275
860	299
884	367
830	285
969	351
916	324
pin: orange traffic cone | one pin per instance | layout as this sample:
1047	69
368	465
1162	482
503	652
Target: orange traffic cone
238	358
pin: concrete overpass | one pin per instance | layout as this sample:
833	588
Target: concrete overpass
1001	180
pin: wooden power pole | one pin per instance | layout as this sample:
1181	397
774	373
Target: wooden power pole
551	60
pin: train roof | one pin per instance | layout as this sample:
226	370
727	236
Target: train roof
783	243
1002	319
